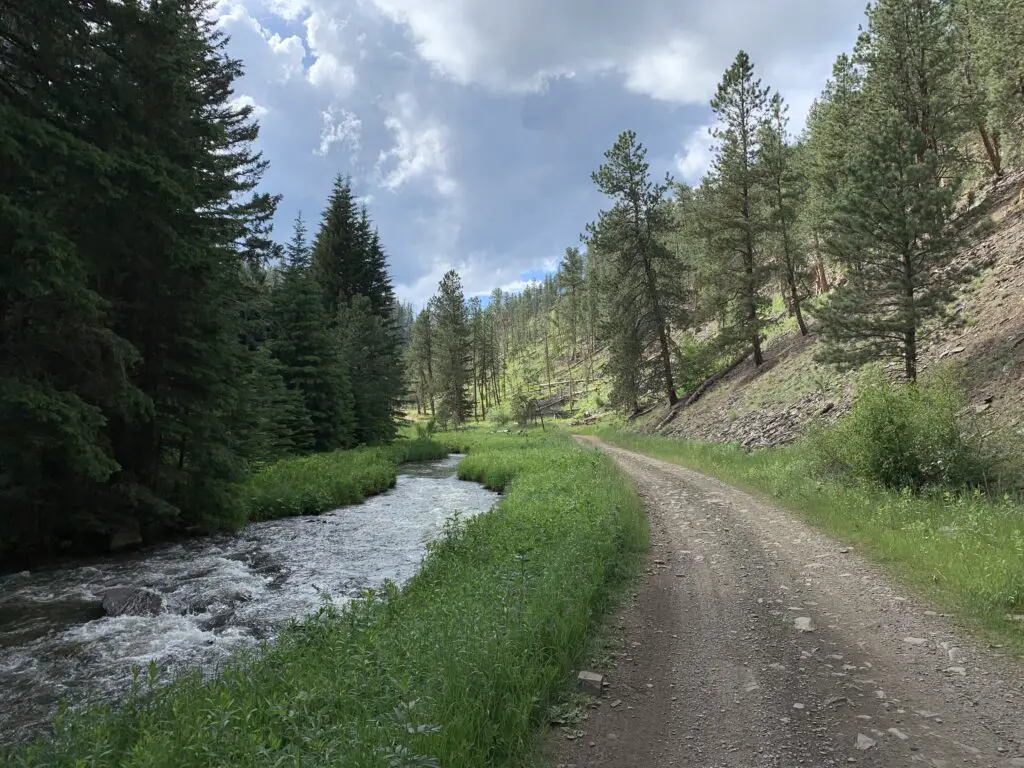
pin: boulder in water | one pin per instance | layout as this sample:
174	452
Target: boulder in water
132	601
126	537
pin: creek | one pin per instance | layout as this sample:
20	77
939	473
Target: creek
219	594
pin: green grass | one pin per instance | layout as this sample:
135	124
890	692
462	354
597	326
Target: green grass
965	552
309	485
457	669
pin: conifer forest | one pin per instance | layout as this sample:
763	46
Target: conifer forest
160	341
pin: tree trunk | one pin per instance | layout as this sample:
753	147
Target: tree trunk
794	297
910	331
991	150
821	278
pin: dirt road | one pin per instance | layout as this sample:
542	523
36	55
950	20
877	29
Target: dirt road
757	641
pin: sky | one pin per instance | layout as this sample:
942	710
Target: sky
470	128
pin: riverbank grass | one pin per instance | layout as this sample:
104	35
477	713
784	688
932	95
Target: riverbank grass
309	485
456	669
963	550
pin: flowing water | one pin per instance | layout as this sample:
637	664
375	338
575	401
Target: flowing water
220	594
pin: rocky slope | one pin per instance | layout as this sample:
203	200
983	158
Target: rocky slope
779	401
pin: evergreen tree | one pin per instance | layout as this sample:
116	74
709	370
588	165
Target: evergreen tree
310	354
168	256
62	369
570	279
895	217
349	263
633	231
451	349
737	221
422	355
371	373
784	192
834	126
340	252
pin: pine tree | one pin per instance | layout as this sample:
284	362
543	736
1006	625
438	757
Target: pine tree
311	356
570	279
834	125
895	217
911	59
784	189
451	348
423	355
632	232
741	108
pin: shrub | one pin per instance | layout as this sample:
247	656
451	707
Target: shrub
906	435
501	416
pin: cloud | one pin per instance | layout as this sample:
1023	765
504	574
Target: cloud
666	49
696	156
674	72
470	128
339	126
420	149
258	110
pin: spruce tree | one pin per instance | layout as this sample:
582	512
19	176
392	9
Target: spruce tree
172	270
371	372
310	354
63	371
349	262
741	107
452	353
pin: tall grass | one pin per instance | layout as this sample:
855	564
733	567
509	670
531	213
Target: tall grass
453	670
309	485
961	548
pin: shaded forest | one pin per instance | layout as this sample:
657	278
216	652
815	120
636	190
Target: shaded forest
158	344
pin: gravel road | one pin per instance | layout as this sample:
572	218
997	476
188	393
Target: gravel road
755	640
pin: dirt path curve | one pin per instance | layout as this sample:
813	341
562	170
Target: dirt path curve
758	641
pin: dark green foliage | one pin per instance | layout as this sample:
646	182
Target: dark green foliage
310	353
892	226
365	340
784	187
451	350
150	357
734	195
641	275
906	435
351	269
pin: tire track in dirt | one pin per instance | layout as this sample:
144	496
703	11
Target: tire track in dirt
758	641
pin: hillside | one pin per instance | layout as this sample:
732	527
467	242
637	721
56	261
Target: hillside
779	401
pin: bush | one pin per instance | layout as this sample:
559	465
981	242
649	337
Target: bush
905	435
501	416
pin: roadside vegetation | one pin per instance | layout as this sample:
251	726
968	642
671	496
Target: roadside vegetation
455	669
907	476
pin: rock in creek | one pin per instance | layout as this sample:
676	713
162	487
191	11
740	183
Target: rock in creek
132	601
127	537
